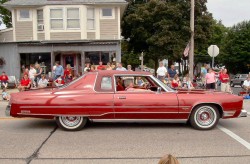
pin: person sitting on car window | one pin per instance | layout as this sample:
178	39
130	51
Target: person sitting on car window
246	84
25	83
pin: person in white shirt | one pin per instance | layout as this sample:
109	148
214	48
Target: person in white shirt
120	67
246	84
161	72
43	82
32	73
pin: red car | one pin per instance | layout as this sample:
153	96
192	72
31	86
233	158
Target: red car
141	98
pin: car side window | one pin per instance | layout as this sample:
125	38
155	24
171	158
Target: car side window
106	83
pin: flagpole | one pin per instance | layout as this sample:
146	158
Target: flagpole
191	54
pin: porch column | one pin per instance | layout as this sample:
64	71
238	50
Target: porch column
118	52
83	61
52	59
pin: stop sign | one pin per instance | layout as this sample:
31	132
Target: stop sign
213	50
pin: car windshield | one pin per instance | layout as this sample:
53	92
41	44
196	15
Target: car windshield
167	88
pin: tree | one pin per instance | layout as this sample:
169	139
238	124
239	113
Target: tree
161	28
5	15
236	54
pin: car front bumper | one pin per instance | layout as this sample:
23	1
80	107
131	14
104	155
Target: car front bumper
243	113
7	111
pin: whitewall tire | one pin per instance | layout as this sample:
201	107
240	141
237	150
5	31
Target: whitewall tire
71	123
204	117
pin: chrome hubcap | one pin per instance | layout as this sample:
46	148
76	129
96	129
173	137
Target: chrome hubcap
71	121
205	116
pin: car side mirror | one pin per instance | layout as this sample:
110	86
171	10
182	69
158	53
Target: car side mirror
158	90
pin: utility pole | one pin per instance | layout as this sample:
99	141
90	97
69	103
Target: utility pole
141	58
191	53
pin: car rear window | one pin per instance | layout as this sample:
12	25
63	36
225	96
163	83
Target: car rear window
106	83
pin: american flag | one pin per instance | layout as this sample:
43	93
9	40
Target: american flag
186	51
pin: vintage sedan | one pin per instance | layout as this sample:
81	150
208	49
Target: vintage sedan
122	96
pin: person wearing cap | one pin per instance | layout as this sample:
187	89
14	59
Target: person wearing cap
4	79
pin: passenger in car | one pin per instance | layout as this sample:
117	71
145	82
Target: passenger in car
120	86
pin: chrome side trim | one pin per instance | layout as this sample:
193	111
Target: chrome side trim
32	114
243	113
141	120
104	107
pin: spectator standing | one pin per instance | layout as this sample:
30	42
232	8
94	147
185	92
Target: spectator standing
109	67
87	68
26	72
161	72
246	84
100	66
129	67
39	72
32	73
203	74
59	72
5	95
68	73
224	78
120	67
92	68
171	72
4	79
210	79
43	83
24	84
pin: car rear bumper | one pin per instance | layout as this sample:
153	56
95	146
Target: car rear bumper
7	111
243	113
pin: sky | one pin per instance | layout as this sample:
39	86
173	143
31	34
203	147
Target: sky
229	11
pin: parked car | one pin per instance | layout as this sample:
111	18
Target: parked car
94	97
238	80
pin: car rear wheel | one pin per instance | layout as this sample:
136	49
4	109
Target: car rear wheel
71	123
204	117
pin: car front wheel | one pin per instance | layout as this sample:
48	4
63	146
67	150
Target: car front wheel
204	117
71	123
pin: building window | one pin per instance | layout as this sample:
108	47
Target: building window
107	13
73	18
90	18
40	24
56	19
24	15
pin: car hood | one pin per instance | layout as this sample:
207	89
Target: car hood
199	91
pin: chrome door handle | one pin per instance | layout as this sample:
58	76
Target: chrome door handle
121	97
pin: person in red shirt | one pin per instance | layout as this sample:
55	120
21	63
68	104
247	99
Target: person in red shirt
224	78
24	84
4	79
101	67
68	73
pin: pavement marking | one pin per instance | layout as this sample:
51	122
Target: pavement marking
234	136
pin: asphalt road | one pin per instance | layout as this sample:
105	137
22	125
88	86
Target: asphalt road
40	141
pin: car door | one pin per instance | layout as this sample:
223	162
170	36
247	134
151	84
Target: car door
145	105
